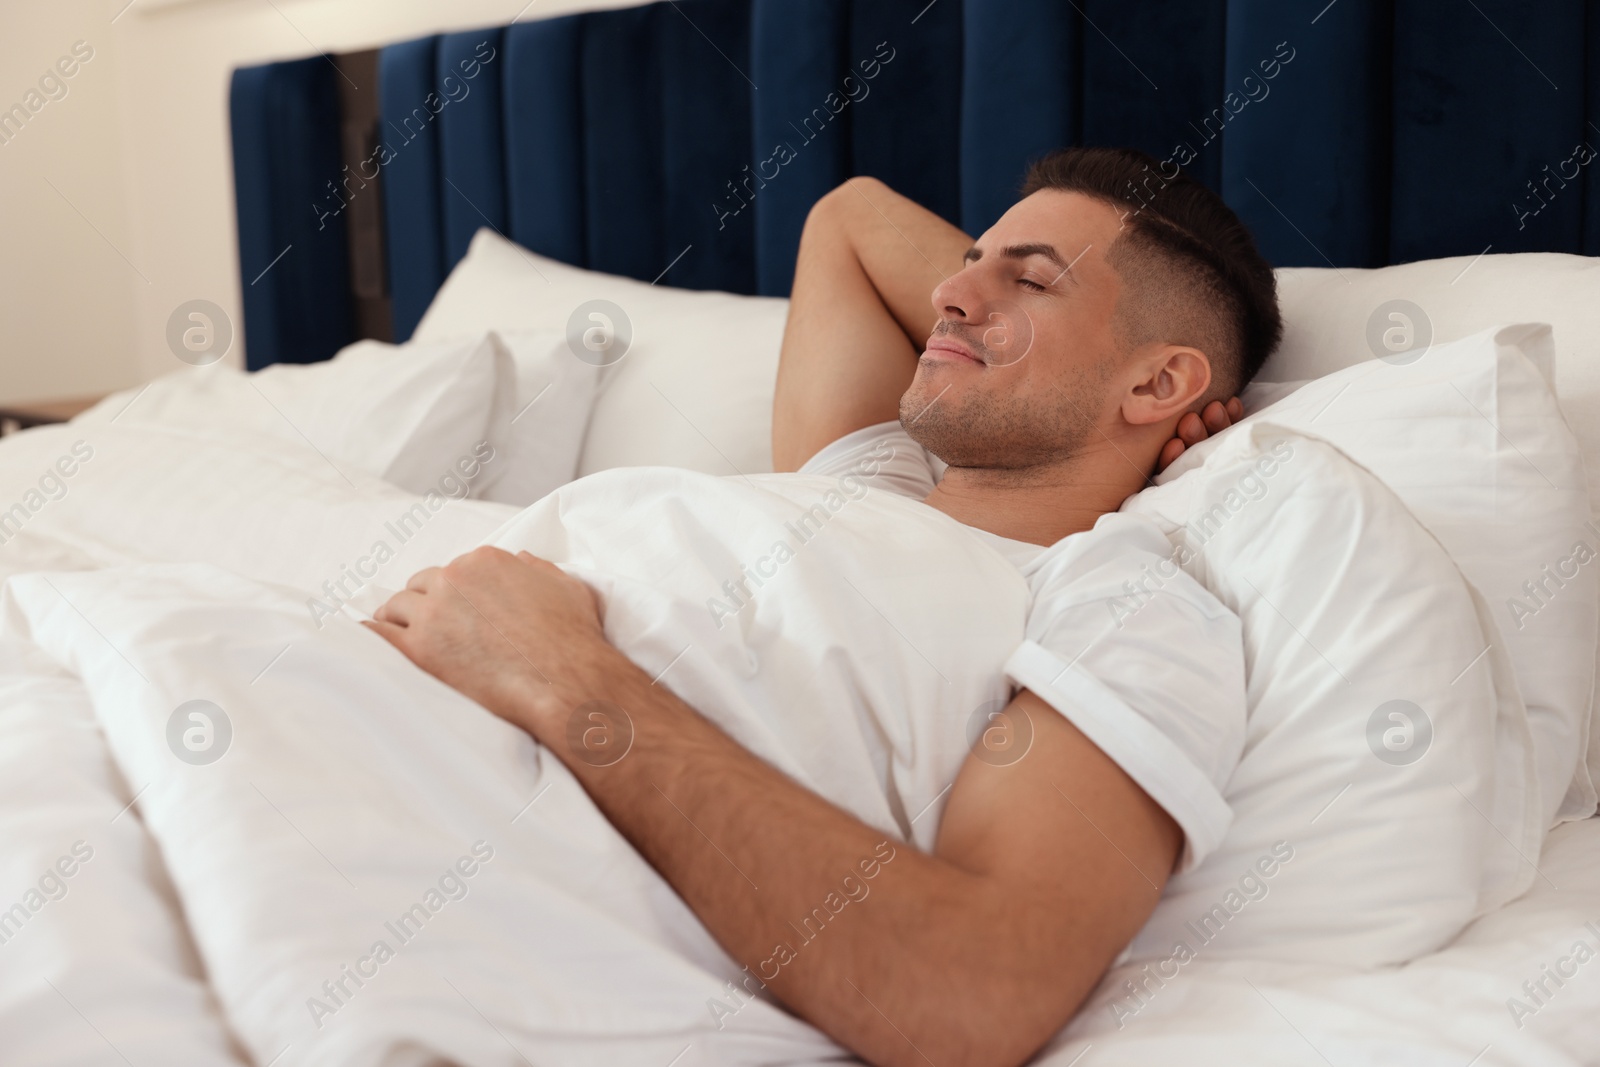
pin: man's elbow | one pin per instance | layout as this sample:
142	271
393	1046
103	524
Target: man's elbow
835	210
858	190
977	1020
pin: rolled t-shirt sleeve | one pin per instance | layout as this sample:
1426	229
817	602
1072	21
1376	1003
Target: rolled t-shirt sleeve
1147	663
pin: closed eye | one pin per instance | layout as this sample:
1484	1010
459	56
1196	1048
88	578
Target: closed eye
1030	284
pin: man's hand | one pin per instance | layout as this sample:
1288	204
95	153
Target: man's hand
1192	429
497	627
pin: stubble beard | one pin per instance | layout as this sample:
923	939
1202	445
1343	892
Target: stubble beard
1013	432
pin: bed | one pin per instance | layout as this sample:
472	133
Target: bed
210	889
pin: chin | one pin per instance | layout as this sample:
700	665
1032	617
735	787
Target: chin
945	437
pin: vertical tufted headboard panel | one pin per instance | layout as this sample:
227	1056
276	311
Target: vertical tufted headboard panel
686	140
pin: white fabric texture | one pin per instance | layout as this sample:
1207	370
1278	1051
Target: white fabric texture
1328	315
816	565
116	945
694	387
1386	835
1130	647
353	779
89	926
538	422
1470	1000
900	465
405	413
257	507
391	777
1470	437
1160	691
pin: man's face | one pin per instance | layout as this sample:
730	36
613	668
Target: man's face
1018	370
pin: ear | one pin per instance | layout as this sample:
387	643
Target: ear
1170	380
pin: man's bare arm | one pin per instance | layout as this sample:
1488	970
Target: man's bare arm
975	954
859	314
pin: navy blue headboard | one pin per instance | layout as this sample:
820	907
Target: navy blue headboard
1348	133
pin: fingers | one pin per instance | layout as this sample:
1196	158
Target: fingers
399	609
1192	429
421	580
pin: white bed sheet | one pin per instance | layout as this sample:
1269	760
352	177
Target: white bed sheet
1448	1009
278	516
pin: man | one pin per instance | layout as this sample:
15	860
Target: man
1085	339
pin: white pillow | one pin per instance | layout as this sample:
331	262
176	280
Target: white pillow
1358	839
406	413
537	427
1470	437
1327	314
692	388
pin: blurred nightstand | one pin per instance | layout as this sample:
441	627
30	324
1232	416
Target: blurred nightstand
14	417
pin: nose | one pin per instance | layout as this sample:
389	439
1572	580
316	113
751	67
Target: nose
956	299
1001	331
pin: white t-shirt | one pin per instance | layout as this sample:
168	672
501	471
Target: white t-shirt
1131	649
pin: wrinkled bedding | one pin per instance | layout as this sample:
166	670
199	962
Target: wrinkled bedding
232	911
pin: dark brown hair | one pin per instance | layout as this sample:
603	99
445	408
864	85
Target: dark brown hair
1189	233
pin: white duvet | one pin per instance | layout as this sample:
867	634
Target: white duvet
379	872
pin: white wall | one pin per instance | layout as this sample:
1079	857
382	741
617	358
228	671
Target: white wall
140	147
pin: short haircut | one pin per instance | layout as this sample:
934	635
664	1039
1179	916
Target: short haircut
1191	269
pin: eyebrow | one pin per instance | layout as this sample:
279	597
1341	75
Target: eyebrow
1023	252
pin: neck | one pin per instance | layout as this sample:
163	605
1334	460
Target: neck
1042	504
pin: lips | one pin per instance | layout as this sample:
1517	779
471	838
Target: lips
942	348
